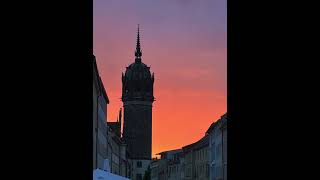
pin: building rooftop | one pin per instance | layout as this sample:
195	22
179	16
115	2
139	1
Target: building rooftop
219	121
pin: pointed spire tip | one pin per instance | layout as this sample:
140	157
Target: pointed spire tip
138	52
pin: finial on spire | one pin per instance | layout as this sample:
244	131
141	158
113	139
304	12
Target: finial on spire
138	52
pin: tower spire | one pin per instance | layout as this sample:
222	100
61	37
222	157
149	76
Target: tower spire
138	52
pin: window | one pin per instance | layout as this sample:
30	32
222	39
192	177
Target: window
139	164
139	177
188	172
213	153
201	151
218	150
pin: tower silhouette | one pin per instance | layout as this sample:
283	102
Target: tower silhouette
137	98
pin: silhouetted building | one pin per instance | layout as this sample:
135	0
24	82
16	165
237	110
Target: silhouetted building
203	160
189	163
218	149
173	163
107	141
195	160
117	150
100	101
155	169
137	97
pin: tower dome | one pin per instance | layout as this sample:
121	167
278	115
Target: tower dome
137	82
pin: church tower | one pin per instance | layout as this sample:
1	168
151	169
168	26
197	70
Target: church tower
137	98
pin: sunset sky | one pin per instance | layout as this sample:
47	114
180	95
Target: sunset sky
185	43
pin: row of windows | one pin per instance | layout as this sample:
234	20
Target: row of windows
201	154
139	177
173	170
139	164
217	172
188	173
216	151
202	170
175	156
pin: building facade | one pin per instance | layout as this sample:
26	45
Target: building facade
217	133
205	159
168	166
137	98
154	166
100	102
189	163
117	150
201	159
195	161
173	164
